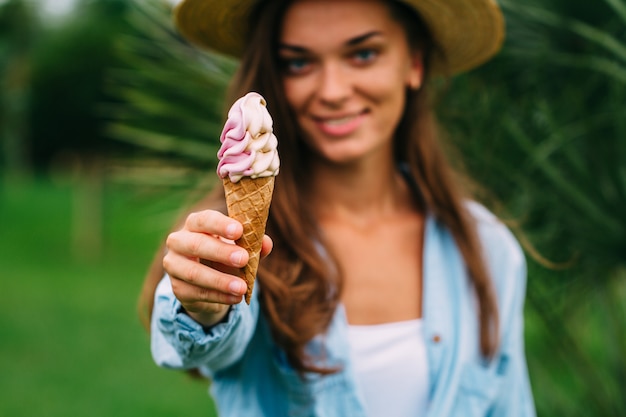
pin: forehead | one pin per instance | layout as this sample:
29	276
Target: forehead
322	21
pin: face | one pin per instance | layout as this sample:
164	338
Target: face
346	67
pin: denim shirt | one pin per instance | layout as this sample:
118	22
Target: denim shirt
251	376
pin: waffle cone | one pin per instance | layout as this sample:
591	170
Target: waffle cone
248	201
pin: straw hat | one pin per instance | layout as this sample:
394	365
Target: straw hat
467	32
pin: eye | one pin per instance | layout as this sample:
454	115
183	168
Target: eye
364	56
296	66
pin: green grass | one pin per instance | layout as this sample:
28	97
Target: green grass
71	343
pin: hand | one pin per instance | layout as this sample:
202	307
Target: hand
203	264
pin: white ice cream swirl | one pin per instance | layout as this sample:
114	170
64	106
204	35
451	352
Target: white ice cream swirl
249	147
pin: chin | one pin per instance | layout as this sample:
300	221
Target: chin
337	154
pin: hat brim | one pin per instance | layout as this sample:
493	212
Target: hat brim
467	33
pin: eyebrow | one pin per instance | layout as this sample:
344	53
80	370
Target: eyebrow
351	42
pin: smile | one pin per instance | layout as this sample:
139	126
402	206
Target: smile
340	126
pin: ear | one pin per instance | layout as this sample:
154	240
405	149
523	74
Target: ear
415	75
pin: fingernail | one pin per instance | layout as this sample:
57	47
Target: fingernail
237	287
231	229
236	258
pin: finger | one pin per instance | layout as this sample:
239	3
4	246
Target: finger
200	245
215	223
266	246
198	299
181	268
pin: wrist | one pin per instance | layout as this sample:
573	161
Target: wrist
208	319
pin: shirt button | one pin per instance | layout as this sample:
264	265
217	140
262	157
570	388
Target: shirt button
436	338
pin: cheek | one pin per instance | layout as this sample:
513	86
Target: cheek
296	93
290	92
388	89
296	96
388	81
389	92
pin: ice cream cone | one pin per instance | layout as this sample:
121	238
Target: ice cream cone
248	201
248	164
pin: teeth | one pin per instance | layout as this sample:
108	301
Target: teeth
337	122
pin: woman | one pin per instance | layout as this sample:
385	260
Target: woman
388	291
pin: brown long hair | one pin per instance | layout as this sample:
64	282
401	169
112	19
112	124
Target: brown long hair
300	286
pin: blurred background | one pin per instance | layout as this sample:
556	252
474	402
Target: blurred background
109	126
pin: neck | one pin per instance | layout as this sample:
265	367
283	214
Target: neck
361	192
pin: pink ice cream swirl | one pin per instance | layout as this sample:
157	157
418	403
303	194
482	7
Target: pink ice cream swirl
249	147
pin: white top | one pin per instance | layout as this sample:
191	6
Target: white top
391	368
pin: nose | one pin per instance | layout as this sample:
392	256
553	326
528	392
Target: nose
334	85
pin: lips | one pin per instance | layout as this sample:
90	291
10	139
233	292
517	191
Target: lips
340	125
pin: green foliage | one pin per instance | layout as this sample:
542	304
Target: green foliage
69	65
18	30
546	136
170	94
